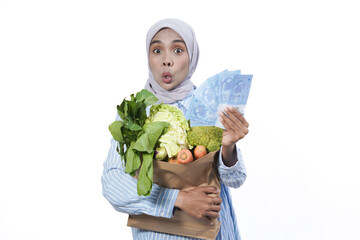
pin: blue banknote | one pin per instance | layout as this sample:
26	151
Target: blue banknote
223	89
215	84
200	112
206	94
226	80
240	90
239	107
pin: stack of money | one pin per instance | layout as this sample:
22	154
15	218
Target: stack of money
228	88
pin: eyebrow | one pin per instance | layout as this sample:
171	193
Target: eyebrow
174	41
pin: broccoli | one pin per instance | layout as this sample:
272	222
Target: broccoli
208	136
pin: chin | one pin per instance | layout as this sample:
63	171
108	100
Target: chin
168	88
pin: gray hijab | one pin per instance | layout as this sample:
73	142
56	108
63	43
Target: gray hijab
186	86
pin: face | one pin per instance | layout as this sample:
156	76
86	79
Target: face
168	58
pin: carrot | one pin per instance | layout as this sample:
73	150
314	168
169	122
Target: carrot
173	160
199	151
184	156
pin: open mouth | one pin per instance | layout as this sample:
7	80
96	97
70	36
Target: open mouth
166	77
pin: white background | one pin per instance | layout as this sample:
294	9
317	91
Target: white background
65	65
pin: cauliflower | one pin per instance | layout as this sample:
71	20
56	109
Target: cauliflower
175	135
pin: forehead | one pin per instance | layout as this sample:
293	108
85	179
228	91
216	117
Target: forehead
167	34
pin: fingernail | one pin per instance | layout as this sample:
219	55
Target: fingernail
211	223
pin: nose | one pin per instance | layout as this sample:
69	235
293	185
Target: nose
167	60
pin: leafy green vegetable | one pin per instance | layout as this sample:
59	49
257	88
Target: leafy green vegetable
146	175
208	136
115	129
149	136
134	163
176	133
138	137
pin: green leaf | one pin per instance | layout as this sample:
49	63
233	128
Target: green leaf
132	159
150	134
115	130
141	114
133	126
145	179
147	97
132	109
122	109
129	135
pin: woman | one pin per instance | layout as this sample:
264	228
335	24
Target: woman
173	55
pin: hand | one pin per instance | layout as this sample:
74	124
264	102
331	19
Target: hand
197	203
236	128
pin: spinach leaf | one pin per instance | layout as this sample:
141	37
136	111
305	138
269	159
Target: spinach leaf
148	137
122	109
133	164
146	175
133	126
147	97
115	130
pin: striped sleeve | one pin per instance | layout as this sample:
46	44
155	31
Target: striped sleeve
120	189
233	176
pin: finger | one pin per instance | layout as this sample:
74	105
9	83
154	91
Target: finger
216	200
235	115
231	123
209	189
212	214
215	208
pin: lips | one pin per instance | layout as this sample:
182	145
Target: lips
166	77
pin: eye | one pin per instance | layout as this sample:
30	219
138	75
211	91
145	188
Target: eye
178	50
156	51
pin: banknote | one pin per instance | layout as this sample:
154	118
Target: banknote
215	84
194	123
206	94
240	89
198	111
240	108
226	80
227	88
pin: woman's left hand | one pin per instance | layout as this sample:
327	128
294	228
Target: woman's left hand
236	126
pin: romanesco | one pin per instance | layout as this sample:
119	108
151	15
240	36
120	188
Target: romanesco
208	136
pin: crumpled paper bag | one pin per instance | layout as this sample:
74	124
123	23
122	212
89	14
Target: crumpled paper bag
200	172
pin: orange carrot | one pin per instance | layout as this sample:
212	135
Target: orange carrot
173	160
184	156
199	151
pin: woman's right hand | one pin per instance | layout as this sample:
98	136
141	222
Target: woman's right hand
197	203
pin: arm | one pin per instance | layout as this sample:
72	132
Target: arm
235	175
231	166
120	189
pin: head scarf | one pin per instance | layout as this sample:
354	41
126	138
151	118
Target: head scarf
186	86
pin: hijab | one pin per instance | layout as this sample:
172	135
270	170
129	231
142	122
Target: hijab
186	86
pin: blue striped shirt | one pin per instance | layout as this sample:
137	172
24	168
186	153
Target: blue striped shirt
120	189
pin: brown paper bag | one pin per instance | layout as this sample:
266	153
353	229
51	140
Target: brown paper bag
200	172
